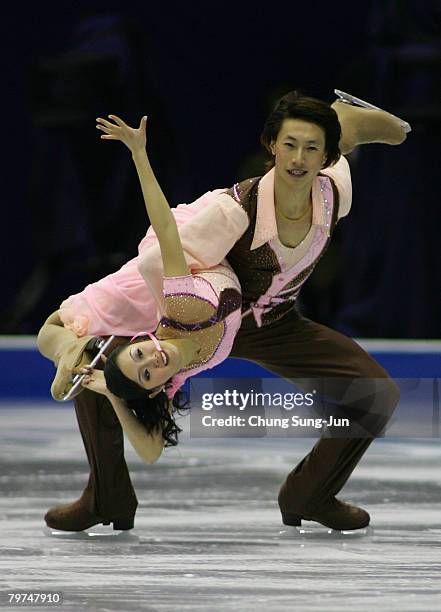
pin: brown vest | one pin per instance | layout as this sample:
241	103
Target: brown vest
255	269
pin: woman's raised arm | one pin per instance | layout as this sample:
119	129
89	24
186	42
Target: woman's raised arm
158	210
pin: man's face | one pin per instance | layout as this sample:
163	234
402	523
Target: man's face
299	152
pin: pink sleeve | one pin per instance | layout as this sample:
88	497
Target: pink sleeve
206	239
340	173
182	213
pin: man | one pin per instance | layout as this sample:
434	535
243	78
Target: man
273	230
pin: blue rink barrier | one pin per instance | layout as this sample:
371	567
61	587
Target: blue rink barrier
26	375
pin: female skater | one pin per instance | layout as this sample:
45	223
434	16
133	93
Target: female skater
202	317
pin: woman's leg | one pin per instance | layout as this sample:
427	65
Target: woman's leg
365	126
65	349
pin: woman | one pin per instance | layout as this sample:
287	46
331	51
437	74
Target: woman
202	316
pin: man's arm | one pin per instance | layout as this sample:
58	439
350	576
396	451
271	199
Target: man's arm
340	173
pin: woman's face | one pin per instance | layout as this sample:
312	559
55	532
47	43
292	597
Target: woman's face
148	367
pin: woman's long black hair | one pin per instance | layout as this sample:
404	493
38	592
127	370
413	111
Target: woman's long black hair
152	412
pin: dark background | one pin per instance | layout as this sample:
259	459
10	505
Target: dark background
207	75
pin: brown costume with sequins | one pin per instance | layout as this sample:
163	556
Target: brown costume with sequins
294	347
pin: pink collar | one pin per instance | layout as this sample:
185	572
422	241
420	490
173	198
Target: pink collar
266	226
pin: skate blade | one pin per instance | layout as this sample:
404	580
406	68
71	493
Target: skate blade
94	533
348	98
321	532
78	379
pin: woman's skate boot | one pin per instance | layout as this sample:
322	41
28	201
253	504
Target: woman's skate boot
363	123
68	352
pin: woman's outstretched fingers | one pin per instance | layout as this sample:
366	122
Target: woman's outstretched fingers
117	120
105	122
103	128
133	138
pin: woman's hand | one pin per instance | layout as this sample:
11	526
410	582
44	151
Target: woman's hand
94	381
133	138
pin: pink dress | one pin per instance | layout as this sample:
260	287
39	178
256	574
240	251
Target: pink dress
122	303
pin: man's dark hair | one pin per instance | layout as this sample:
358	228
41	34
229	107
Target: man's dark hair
296	105
153	412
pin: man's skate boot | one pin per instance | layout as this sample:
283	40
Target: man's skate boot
79	515
109	496
334	514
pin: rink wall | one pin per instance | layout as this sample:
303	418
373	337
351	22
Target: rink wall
25	374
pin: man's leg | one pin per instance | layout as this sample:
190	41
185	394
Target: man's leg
109	495
297	348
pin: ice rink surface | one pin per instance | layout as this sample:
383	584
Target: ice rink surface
208	535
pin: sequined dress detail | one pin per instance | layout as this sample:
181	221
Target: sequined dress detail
205	307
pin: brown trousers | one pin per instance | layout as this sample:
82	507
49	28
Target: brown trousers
294	348
110	489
